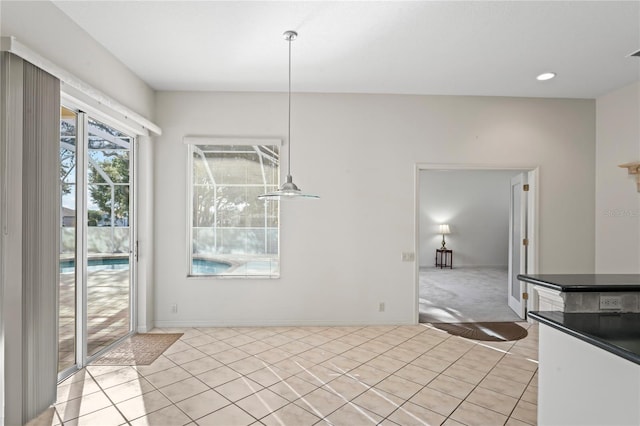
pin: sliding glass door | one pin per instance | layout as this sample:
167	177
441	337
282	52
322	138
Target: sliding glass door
108	236
96	258
67	314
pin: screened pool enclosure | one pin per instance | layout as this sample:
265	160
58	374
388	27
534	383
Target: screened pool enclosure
232	233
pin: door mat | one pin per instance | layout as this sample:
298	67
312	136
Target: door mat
486	331
139	349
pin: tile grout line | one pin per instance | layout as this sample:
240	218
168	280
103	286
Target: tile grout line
340	337
208	387
504	354
369	339
390	374
430	381
520	398
362	363
108	397
152	384
234	403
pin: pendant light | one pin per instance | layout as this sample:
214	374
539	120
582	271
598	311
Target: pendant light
288	189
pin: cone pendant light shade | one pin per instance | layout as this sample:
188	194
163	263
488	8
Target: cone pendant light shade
288	189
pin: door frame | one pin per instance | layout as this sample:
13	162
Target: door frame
81	351
519	306
533	172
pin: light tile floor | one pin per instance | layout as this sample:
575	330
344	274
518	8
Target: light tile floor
387	375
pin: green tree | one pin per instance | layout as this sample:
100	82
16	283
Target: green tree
94	216
67	155
67	166
115	164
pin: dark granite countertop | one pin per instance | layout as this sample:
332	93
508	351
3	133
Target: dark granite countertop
618	333
585	282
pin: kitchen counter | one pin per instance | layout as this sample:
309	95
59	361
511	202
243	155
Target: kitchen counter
581	293
585	282
618	333
589	368
589	348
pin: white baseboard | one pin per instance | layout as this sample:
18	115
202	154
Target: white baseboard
277	323
462	265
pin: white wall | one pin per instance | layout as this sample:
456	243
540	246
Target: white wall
617	199
475	204
44	28
341	254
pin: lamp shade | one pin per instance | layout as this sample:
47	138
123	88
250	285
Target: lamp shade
287	190
444	229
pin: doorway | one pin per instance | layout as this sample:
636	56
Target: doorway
96	275
474	201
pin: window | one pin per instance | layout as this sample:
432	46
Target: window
232	233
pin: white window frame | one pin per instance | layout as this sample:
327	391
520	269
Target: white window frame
192	141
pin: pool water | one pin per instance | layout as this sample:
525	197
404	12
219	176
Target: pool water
208	267
68	266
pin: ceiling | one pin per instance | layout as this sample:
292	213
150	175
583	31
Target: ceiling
493	48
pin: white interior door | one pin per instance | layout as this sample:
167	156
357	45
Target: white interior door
517	244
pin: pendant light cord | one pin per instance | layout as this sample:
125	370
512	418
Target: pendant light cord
288	189
289	39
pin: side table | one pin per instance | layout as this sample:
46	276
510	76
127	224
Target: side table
444	258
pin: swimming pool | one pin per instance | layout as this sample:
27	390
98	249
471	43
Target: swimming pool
68	266
208	267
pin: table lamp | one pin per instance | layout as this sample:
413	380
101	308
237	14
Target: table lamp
444	229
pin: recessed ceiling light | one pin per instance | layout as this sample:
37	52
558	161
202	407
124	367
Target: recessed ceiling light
546	76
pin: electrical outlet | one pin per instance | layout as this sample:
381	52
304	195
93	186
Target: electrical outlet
381	307
174	308
610	302
408	256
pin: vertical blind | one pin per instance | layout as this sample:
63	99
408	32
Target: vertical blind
30	217
40	212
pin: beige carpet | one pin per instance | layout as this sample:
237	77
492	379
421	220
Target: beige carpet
464	294
486	331
139	349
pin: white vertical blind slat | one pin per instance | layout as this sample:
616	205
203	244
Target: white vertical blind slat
40	206
11	236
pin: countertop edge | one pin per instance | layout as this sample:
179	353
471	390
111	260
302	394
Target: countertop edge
595	341
609	288
534	281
